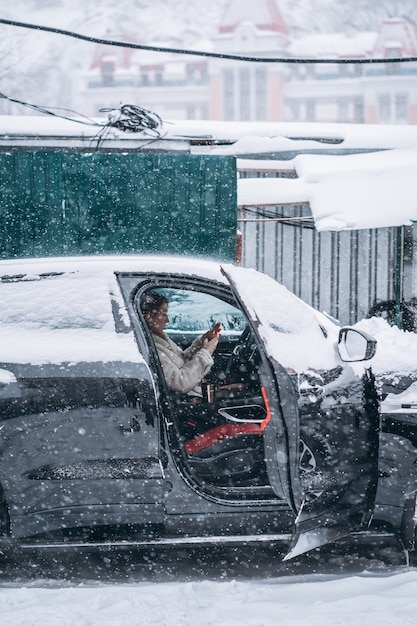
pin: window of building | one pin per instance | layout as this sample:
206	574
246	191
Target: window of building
204	73
196	73
358	69
144	77
300	71
190	72
261	93
197	111
191	112
345	69
244	94
343	110
358	111
384	107
392	53
229	94
107	73
311	70
310	110
401	107
350	70
293	110
159	75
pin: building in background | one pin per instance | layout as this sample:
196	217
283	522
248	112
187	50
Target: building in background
187	87
378	93
250	91
174	86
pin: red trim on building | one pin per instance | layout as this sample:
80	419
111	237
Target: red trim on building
275	22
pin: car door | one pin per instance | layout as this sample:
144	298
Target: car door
77	449
285	327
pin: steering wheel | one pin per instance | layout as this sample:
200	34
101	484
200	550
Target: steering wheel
242	353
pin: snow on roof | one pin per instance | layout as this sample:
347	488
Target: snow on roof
244	137
346	192
334	45
370	189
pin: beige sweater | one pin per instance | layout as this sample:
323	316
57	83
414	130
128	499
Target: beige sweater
183	369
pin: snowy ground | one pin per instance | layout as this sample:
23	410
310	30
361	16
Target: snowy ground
358	600
359	590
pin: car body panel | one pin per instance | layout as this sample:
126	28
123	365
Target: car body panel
342	498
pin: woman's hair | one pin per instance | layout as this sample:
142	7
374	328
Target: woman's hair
151	301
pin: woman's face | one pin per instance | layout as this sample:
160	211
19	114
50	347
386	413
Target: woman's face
157	321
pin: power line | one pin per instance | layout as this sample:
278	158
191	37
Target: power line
54	111
203	53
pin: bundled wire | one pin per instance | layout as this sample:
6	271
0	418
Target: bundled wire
133	118
128	118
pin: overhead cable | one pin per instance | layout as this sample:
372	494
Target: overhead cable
205	53
81	119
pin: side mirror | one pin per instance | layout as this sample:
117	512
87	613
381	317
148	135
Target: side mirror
355	345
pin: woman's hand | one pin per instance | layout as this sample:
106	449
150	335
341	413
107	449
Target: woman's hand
213	332
210	344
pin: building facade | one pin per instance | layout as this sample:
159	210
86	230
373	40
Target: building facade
196	87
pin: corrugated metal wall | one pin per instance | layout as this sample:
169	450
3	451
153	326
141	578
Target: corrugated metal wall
64	203
341	273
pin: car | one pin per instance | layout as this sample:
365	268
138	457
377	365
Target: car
95	447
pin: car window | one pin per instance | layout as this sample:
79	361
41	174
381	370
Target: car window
194	311
62	317
55	301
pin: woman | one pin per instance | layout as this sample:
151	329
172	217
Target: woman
183	369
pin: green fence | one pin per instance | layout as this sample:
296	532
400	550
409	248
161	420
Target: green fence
55	203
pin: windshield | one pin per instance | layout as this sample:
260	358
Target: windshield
296	335
197	311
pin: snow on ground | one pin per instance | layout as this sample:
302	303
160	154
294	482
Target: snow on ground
361	600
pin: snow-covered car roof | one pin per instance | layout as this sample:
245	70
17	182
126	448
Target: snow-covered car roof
114	263
60	309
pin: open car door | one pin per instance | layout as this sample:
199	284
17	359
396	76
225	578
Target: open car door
338	411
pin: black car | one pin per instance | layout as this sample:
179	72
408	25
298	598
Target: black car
95	447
